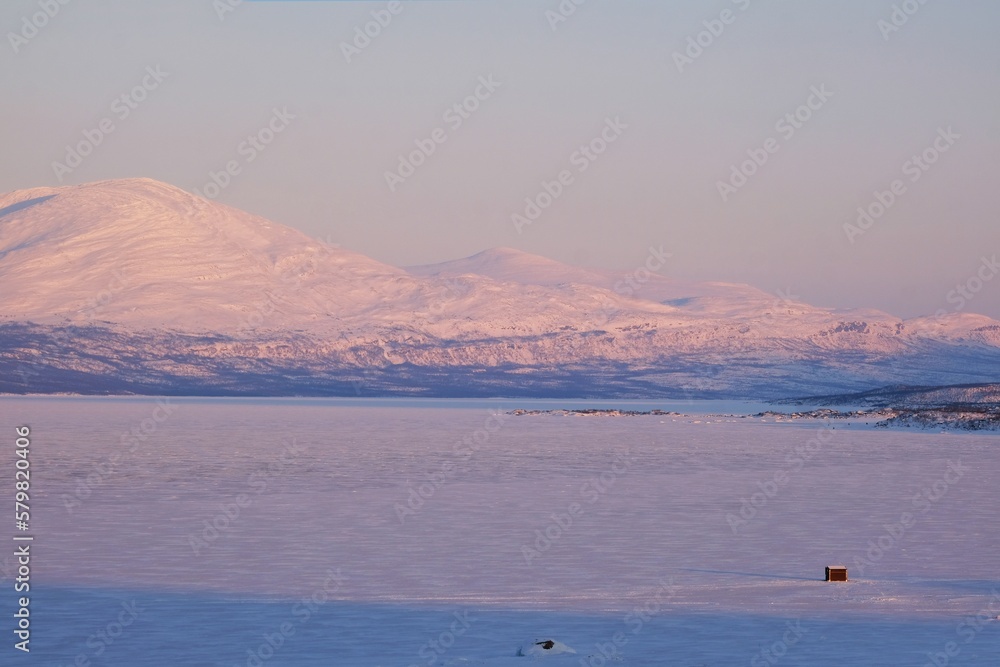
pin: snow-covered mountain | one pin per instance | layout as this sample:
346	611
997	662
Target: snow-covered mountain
515	266
167	292
147	255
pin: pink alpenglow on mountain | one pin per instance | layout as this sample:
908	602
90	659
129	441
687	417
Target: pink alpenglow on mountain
137	286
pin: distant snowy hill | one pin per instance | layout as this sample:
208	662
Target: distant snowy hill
515	266
135	285
964	395
147	255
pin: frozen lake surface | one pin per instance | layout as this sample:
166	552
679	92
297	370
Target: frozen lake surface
378	534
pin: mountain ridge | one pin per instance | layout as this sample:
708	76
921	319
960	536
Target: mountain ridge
148	265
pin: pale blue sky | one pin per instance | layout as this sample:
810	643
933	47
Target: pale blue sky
655	185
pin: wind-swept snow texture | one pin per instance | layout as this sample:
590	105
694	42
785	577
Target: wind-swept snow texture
399	536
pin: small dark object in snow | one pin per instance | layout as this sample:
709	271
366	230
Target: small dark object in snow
836	573
539	647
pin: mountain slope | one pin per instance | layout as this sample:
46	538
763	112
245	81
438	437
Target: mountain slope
515	266
147	255
142	280
143	253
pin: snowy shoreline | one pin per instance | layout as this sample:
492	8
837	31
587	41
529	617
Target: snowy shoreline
948	418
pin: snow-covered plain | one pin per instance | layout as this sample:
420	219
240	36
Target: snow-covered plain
651	566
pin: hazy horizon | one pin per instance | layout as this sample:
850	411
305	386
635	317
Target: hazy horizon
199	77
